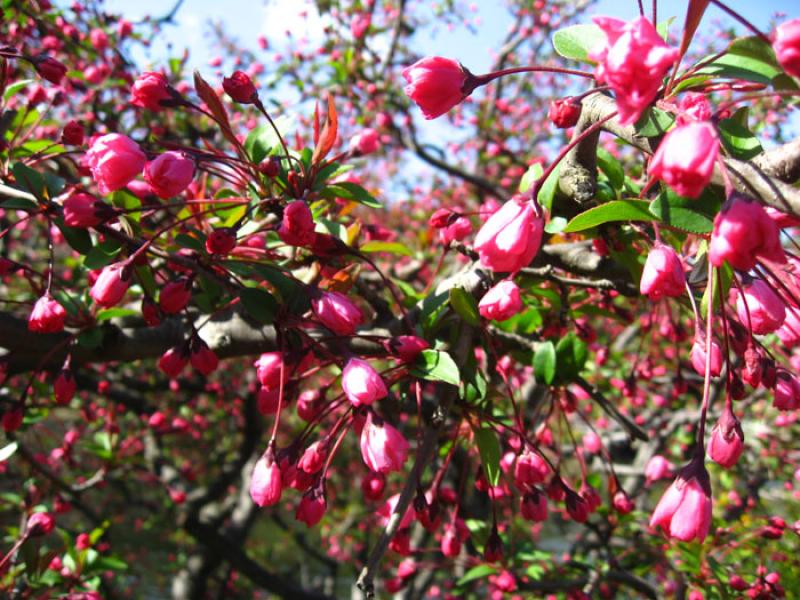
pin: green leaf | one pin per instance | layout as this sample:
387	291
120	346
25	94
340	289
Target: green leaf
19	204
489	448
544	363
571	353
465	305
390	247
125	200
616	210
749	58
555	225
29	180
16	87
611	167
436	365
653	122
191	242
78	239
263	140
663	28
101	255
532	174
7	451
686	214
350	191
548	190
110	563
738	140
260	304
432	308
115	313
575	42
475	573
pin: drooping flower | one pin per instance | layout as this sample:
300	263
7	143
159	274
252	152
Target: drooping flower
686	157
663	274
765	309
726	443
362	384
47	316
110	286
684	511
240	87
633	61
265	482
297	227
501	302
511	237
383	448
698	355
743	232
149	89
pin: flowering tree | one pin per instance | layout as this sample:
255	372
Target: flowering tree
287	348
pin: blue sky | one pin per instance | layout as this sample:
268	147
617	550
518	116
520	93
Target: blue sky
246	19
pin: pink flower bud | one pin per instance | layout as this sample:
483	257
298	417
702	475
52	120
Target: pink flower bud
455	231
64	387
787	46
240	88
365	142
767	311
267	401
789	332
663	274
383	448
684	511
175	296
406	347
633	61
203	358
501	302
743	232
110	286
694	107
533	506
337	312
622	503
360	24
268	369
265	482
169	174
115	160
149	89
686	157
313	458
530	469
312	507
511	237
221	241
172	362
297	227
787	392
698	355
73	134
657	468
49	68
12	419
98	38
436	84
40	523
373	485
82	210
727	440
361	383
47	316
564	112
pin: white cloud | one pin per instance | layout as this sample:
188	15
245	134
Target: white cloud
300	17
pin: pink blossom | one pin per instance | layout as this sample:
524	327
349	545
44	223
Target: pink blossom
501	302
686	157
383	448
766	310
169	174
633	61
365	142
727	440
511	237
684	511
149	89
361	383
436	84
110	286
743	232
698	355
297	227
47	316
265	482
787	46
663	274
268	369
337	312
114	159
